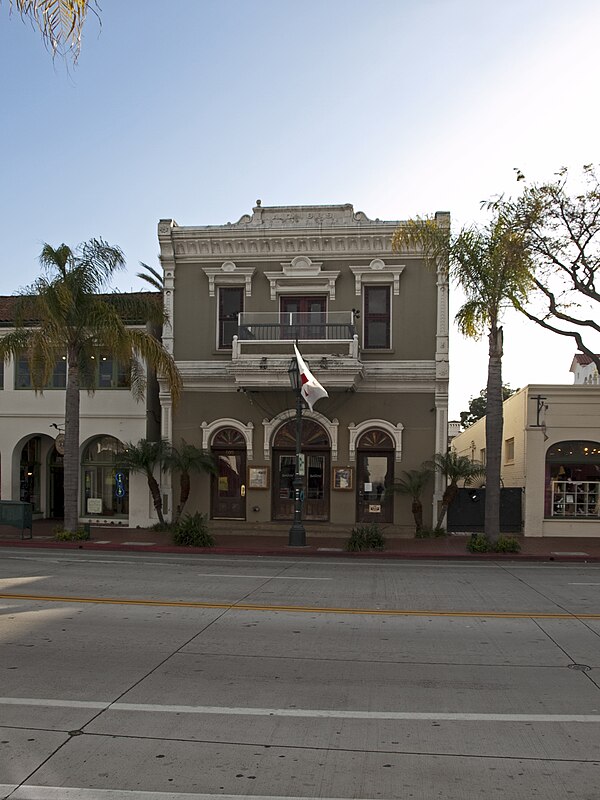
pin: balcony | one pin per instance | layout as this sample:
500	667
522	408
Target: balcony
263	346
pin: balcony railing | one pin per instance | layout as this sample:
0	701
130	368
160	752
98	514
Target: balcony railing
262	334
274	327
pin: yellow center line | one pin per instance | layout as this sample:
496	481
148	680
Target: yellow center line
389	612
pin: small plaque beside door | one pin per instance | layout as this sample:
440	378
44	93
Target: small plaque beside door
375	508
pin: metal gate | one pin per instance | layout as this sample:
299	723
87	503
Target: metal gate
466	513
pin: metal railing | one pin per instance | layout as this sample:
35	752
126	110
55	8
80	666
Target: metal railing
277	326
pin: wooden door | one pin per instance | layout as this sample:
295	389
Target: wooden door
228	484
315	485
303	317
375	473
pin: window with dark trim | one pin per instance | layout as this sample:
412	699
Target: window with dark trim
58	379
376	318
231	303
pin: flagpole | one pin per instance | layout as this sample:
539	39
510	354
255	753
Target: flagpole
297	534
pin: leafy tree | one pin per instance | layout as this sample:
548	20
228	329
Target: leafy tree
64	313
491	265
59	21
145	457
151	276
478	406
454	469
412	482
185	459
561	229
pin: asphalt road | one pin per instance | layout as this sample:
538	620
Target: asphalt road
158	677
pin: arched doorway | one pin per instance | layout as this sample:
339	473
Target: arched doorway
314	471
228	484
375	473
104	484
56	485
30	473
573	480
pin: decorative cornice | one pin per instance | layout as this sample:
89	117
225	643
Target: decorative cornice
229	274
247	431
269	373
301	274
377	272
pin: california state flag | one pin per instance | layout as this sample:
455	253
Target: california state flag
311	388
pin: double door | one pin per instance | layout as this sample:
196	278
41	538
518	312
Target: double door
314	471
303	317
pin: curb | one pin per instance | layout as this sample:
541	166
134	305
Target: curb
309	551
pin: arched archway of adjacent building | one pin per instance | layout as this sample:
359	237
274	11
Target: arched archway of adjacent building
104	483
572	487
375	475
30	476
315	470
228	484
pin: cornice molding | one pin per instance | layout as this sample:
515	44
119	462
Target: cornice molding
377	272
229	274
356	431
271	425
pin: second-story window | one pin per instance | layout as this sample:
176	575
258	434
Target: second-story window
376	318
231	303
110	373
58	379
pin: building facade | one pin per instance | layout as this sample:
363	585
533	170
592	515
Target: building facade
551	448
372	325
31	433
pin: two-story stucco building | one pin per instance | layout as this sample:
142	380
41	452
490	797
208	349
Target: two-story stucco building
31	428
371	323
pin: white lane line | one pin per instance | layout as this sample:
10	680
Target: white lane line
272	577
76	793
584	584
312	713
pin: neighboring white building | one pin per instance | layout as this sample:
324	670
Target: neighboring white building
31	463
584	370
551	448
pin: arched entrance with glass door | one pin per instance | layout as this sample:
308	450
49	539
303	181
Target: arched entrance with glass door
228	484
315	468
375	473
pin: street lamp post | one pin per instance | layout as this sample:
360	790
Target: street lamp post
297	534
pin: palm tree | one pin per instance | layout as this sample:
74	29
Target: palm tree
64	314
454	469
492	267
412	483
146	457
185	459
151	276
59	21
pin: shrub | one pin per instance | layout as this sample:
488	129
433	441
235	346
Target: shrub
365	537
478	543
507	544
428	533
80	535
192	531
164	527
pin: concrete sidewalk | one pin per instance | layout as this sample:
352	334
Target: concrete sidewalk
272	540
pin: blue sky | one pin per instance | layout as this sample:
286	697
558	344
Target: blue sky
196	108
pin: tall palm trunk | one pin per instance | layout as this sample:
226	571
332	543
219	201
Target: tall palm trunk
71	456
156	498
447	498
493	434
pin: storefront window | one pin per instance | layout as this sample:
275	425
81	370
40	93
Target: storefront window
573	480
105	485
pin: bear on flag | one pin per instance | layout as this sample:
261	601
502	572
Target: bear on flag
311	389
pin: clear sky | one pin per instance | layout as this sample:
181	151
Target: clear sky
193	109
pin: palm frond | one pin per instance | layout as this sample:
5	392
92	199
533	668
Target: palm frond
151	276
